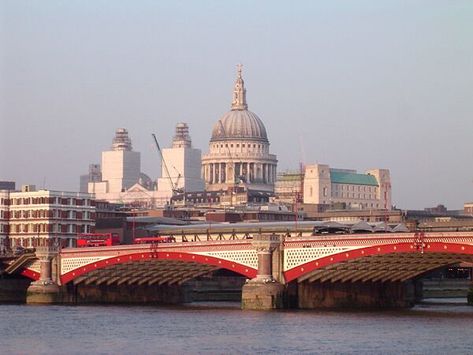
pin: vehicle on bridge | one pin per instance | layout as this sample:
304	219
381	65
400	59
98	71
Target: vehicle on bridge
97	239
359	227
155	239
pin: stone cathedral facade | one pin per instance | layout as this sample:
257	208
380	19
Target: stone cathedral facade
239	149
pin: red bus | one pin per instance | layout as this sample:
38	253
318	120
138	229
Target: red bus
151	240
97	239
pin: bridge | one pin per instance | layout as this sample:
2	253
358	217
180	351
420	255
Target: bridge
327	270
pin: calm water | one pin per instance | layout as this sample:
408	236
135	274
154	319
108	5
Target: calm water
223	328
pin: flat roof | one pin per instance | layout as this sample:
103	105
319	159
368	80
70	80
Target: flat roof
342	177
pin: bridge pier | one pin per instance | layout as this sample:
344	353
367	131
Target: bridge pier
125	294
45	290
264	292
357	295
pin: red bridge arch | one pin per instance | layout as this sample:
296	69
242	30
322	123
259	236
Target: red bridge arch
159	255
429	248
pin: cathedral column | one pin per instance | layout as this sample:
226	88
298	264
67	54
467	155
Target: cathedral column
230	173
222	172
247	173
211	176
252	171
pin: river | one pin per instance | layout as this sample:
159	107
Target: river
222	328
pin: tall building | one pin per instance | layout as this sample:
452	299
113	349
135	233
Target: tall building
120	166
7	185
239	149
121	179
94	175
181	164
325	185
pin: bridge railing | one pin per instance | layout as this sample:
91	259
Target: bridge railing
16	246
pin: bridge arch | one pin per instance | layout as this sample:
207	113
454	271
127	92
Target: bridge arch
161	256
343	266
30	274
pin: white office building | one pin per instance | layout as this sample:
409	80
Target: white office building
181	164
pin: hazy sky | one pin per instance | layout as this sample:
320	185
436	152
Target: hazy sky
354	84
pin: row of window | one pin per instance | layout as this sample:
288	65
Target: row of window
256	147
346	187
50	228
47	214
46	201
259	146
353	195
363	205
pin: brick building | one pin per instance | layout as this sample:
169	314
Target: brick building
45	214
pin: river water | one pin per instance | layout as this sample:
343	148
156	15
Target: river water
222	328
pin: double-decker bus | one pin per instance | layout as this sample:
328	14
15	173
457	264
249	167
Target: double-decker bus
97	239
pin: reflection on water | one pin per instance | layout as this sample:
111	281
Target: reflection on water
219	328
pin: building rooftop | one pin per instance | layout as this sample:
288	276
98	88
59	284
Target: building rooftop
289	176
341	177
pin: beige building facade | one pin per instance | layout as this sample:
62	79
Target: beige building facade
325	185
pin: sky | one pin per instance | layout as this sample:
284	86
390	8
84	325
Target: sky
353	84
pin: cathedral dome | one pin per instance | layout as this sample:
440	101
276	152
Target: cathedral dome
239	150
239	124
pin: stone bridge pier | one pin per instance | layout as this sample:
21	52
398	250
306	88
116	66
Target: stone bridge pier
265	291
45	290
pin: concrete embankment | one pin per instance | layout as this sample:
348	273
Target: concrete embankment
445	288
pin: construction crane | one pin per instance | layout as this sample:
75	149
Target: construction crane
175	190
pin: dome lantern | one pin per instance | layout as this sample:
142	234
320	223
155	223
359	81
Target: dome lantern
239	93
239	123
